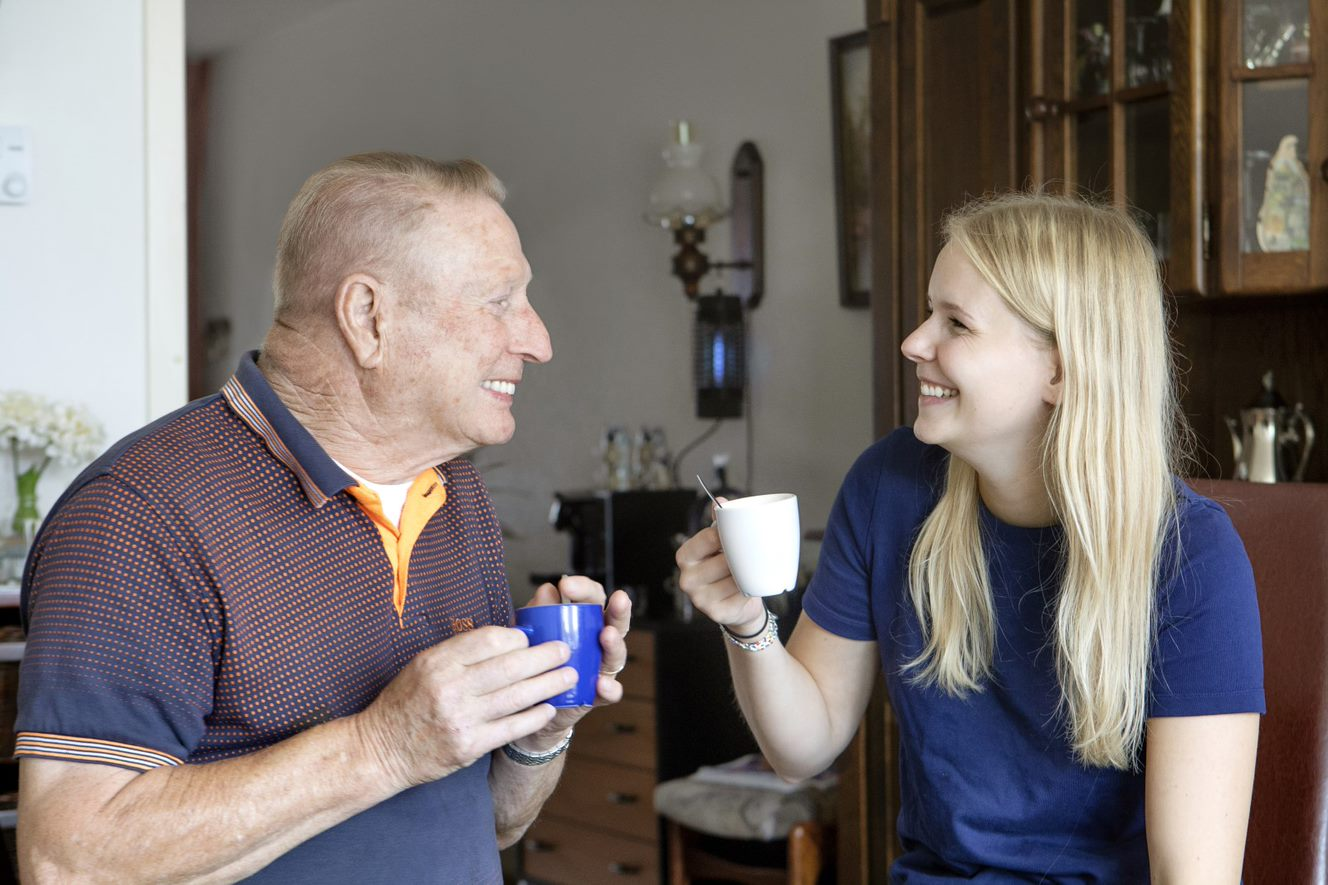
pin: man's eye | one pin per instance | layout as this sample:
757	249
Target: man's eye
958	325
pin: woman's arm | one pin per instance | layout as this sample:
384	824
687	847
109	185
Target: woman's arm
802	703
1198	777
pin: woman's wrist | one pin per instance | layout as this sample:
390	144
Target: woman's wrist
749	629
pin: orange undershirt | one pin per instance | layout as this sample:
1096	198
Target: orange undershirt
425	497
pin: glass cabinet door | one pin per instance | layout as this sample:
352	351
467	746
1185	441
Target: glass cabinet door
1274	123
1122	124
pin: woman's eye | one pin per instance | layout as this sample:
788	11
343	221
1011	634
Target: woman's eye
958	325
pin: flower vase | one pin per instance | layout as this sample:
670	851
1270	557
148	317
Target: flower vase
26	516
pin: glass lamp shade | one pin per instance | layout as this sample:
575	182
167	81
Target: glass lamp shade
684	193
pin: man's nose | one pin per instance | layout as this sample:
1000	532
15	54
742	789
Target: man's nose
532	338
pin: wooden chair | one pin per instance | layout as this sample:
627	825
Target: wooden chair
809	848
1285	530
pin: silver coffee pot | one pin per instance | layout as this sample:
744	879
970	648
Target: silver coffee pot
1266	436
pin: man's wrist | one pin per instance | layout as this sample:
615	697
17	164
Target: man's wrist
541	757
542	742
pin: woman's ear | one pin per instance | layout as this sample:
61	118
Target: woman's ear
1052	394
361	318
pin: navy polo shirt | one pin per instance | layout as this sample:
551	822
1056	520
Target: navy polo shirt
990	790
215	583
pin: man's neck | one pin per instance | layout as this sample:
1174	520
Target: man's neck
323	392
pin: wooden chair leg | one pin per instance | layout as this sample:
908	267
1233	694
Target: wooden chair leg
677	855
806	853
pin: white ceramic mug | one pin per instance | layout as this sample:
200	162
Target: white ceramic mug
761	538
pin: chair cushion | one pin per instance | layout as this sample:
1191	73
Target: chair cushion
742	811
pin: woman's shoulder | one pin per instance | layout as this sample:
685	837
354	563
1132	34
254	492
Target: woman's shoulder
1202	520
1211	565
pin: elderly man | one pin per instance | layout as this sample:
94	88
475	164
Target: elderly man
269	633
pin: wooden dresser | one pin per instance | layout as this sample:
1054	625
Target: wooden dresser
677	714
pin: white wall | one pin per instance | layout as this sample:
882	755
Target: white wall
569	102
76	270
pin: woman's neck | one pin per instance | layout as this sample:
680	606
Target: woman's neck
1018	498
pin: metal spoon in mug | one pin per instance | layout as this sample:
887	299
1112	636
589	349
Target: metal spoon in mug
707	491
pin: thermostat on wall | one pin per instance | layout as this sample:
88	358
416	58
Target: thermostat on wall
15	165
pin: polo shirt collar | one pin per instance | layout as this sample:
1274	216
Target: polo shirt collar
253	399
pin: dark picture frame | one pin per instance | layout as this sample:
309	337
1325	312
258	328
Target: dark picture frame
850	79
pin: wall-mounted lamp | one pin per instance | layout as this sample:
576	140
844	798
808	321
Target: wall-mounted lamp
686	200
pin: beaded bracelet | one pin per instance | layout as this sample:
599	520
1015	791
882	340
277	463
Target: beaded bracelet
521	757
762	639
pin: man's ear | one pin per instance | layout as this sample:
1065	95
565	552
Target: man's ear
1052	394
361	318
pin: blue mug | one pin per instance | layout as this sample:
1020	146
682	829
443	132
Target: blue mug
579	625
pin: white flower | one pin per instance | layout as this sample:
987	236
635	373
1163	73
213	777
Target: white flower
48	430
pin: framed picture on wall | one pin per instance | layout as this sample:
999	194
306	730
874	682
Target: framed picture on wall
850	77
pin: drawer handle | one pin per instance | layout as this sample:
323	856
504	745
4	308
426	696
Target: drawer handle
625	869
622	728
623	798
538	846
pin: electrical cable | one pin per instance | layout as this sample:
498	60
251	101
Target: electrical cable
682	453
747	402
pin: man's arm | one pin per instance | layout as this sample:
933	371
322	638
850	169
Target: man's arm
222	821
520	791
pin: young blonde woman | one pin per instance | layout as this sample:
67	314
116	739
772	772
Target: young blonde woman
1069	635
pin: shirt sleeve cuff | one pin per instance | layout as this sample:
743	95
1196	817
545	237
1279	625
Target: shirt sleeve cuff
75	749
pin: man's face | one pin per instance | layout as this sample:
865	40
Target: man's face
470	328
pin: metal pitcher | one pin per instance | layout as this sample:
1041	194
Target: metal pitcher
1267	435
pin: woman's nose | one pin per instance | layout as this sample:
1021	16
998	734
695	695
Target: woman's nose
917	346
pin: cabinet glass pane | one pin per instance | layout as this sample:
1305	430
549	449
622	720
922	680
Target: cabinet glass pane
1275	32
1092	151
1147	49
1148	168
1275	183
1092	47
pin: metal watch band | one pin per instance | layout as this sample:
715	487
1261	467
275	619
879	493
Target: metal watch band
523	758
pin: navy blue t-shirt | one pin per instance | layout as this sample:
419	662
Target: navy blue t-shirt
990	789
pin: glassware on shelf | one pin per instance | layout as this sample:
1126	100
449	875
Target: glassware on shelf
1276	32
1147	46
1092	47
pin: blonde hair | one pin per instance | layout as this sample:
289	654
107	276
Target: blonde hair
1085	278
358	213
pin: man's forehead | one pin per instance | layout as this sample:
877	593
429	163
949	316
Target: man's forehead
473	234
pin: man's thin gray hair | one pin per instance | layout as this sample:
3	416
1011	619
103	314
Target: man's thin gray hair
358	214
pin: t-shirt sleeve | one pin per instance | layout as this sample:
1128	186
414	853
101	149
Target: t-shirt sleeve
1209	655
839	596
118	667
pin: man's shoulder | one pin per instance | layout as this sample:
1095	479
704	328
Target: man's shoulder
175	450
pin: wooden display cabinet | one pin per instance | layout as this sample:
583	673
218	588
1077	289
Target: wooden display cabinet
1272	80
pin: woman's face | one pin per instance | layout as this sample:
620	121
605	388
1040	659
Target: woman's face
988	382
